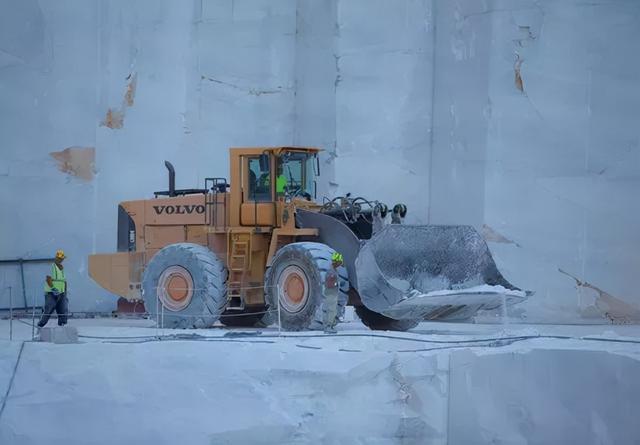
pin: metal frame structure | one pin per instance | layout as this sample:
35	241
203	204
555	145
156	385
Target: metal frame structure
21	262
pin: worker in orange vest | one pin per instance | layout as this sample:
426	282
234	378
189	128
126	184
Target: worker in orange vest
55	292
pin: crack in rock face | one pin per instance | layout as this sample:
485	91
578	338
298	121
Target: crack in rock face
616	310
114	118
490	235
518	76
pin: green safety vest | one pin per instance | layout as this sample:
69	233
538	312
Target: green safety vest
281	183
58	279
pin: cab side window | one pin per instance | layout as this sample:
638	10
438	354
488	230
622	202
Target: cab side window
259	182
289	176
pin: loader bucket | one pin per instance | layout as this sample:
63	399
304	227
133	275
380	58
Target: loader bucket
431	272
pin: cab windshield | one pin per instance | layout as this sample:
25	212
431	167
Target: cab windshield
296	175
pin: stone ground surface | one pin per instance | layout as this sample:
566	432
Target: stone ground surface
127	381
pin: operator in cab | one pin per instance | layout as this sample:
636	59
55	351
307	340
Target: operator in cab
281	181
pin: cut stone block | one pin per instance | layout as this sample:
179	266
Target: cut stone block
59	334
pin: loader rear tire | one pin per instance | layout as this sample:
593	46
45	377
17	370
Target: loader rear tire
379	322
184	286
303	266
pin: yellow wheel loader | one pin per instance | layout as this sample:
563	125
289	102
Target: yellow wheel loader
256	249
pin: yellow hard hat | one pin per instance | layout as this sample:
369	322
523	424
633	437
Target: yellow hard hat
336	257
60	254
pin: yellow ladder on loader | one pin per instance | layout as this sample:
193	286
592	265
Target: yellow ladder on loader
238	263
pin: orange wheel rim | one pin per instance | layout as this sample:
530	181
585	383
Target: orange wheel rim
293	289
175	288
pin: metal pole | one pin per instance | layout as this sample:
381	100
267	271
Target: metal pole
279	324
10	314
157	315
24	289
33	319
162	319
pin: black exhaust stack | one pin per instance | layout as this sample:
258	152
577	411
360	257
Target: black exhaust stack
172	178
172	185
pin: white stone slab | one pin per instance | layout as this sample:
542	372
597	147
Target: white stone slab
59	334
543	396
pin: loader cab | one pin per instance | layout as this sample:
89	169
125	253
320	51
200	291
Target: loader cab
296	175
269	178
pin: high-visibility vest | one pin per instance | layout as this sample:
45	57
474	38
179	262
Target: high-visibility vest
58	280
281	183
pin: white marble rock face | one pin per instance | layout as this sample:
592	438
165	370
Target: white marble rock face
518	117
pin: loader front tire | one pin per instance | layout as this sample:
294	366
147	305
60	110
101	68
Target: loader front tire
184	286
379	322
298	271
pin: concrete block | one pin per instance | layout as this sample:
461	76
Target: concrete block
59	334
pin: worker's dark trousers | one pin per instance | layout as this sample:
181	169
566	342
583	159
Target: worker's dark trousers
330	308
53	303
